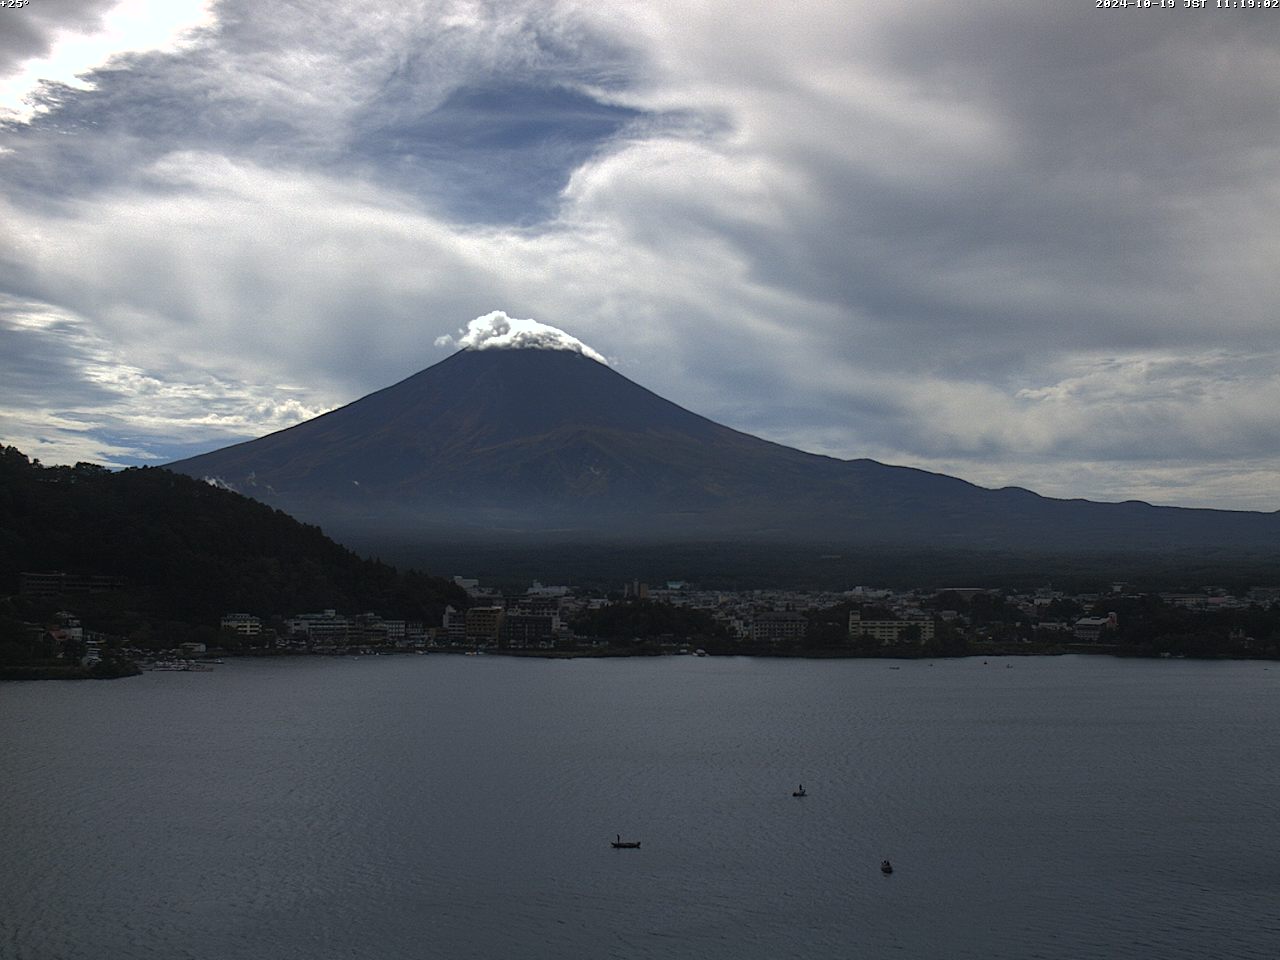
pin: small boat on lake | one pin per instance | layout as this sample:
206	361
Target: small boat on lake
886	867
800	792
620	844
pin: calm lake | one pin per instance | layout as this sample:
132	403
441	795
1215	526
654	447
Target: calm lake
463	807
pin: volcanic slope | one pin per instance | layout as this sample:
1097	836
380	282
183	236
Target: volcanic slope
500	442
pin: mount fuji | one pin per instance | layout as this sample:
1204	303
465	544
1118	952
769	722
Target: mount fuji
521	442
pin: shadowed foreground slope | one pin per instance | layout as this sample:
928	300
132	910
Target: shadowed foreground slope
186	551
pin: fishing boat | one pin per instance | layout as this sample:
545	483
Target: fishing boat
800	792
620	844
886	867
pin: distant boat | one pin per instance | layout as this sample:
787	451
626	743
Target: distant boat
886	867
620	844
800	792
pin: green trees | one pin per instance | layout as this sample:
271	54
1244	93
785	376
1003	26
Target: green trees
181	553
647	620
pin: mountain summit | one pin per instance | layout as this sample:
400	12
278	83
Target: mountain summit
504	441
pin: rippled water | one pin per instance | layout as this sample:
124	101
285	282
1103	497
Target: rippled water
460	807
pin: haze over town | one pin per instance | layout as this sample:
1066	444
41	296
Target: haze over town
1020	244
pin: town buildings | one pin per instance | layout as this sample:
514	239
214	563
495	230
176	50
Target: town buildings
917	629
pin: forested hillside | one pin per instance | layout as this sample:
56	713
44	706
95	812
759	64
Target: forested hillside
186	551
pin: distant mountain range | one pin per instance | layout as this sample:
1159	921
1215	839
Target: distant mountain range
527	443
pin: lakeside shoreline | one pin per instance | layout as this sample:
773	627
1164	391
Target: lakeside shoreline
26	673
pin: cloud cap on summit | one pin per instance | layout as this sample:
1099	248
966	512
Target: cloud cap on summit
497	331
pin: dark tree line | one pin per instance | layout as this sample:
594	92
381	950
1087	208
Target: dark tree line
647	620
1149	625
184	552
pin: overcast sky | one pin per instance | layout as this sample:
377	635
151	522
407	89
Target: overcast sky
1032	244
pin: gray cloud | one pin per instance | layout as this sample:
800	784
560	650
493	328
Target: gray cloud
30	32
69	396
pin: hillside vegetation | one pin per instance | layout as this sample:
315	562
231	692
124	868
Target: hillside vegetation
184	551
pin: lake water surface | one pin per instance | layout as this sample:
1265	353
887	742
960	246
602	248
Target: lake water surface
462	807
